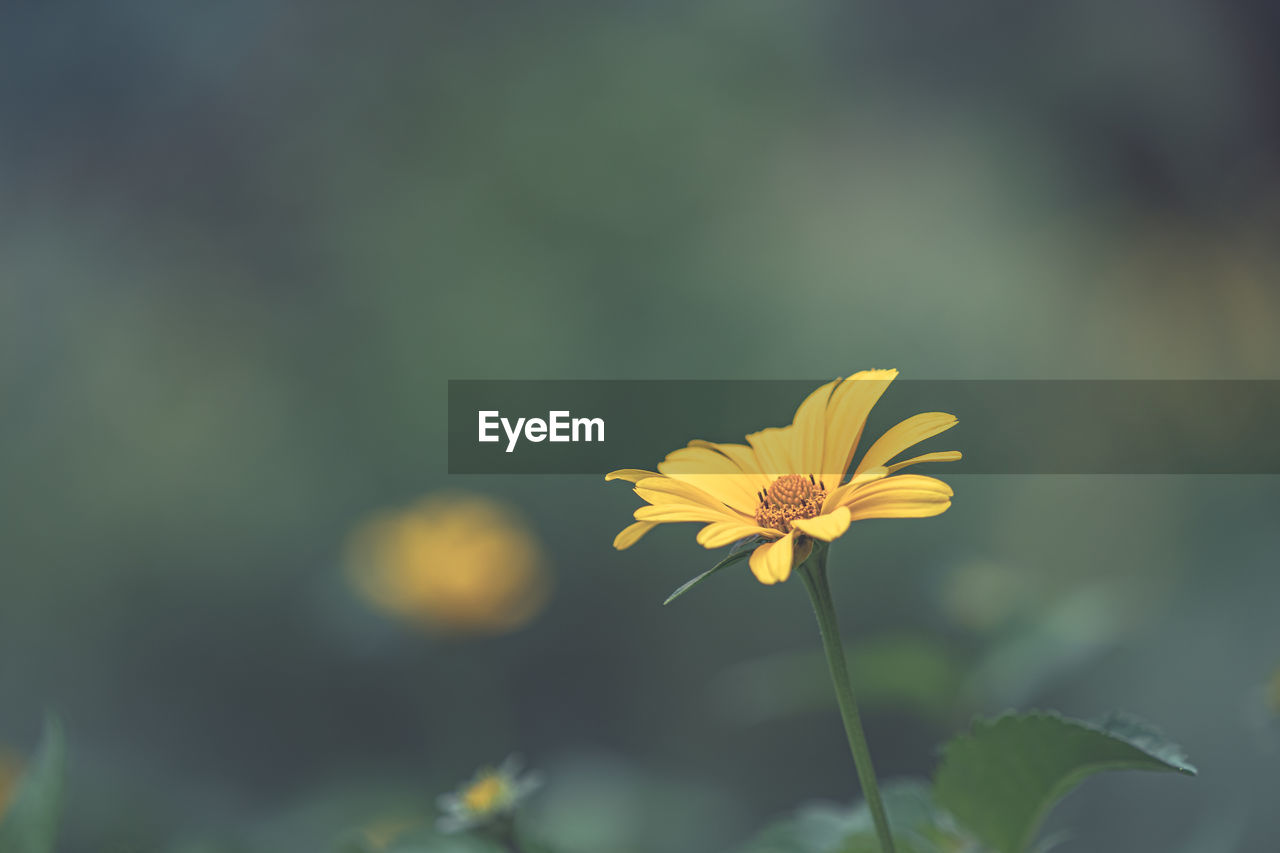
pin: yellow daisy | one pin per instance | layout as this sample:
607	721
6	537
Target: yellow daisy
786	485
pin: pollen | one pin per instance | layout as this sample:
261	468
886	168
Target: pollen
789	497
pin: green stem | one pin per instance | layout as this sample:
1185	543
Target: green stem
814	573
504	832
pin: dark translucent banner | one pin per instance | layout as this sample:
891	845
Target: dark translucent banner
1005	426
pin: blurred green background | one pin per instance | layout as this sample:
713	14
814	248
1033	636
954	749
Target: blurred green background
244	245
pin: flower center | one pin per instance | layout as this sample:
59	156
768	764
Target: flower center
789	497
484	794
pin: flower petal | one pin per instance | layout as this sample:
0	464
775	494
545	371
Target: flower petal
839	496
741	455
900	496
683	512
773	447
771	562
721	533
702	459
810	426
847	410
940	456
631	534
632	475
715	474
827	527
668	490
909	433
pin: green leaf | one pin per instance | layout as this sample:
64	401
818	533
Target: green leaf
31	823
918	825
737	556
1001	780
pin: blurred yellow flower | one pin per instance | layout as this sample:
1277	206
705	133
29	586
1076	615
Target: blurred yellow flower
493	794
10	773
787	486
460	564
380	834
484	793
1273	693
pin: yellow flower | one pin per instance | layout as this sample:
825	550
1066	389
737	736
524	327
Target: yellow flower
380	834
492	794
1273	693
485	793
10	773
459	564
787	485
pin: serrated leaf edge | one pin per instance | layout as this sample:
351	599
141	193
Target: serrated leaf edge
1177	763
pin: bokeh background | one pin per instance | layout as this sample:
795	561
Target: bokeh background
244	245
